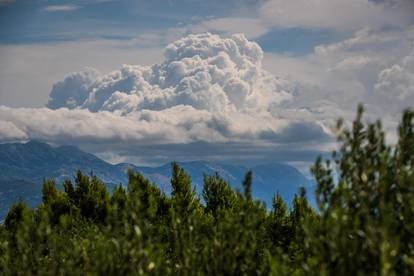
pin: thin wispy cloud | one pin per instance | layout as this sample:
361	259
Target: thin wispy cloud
60	8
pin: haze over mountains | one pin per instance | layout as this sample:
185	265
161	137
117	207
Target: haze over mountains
24	166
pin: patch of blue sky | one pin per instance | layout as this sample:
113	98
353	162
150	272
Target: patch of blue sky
35	21
28	22
297	41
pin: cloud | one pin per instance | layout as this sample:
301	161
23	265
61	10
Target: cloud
396	83
60	8
64	125
9	132
176	125
376	61
203	71
214	90
371	66
367	40
208	90
299	131
336	14
73	90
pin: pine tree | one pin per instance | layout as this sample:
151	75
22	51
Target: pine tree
247	185
183	194
218	195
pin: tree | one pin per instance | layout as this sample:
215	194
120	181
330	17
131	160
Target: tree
19	213
366	196
218	195
183	194
278	228
247	185
90	197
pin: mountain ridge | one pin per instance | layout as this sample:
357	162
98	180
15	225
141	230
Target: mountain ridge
32	162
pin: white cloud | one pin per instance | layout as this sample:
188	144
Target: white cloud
208	90
368	40
60	8
9	132
176	125
64	125
73	90
204	71
371	67
217	91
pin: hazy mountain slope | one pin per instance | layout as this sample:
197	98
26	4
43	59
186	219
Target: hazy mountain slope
24	166
34	161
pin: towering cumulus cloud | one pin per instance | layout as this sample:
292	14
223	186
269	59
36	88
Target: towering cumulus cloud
208	89
203	71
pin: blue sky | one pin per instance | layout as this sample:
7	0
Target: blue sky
32	21
24	22
314	61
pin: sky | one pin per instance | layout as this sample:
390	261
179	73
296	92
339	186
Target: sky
235	81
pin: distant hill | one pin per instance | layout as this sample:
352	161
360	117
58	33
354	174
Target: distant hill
24	166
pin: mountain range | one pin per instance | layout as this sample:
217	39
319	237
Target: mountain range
24	166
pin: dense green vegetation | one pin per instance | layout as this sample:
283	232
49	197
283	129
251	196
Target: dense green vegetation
363	226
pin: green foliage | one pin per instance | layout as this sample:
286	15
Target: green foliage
18	214
183	194
218	195
364	224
